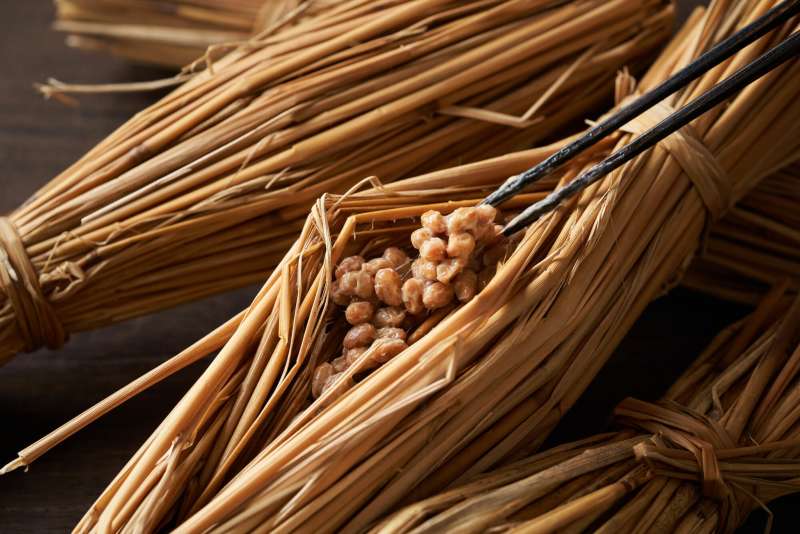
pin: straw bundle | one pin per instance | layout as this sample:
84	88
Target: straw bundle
248	449
207	189
301	275
724	440
756	244
170	33
489	380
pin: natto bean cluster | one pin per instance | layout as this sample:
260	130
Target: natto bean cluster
383	297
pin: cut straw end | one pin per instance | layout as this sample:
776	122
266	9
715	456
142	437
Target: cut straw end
13	465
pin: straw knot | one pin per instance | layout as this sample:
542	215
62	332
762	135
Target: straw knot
688	445
37	322
683	429
698	163
684	445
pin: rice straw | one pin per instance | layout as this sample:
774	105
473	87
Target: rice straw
492	379
207	189
680	465
244	449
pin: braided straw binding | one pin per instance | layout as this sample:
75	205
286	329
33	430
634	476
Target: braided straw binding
697	161
687	149
38	324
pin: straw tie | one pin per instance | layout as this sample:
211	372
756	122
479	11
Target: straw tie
689	430
37	322
697	161
686	443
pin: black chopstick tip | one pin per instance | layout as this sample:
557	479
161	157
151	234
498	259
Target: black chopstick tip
515	226
509	230
502	193
526	218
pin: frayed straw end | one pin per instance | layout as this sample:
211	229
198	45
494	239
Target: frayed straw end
14	465
58	90
51	90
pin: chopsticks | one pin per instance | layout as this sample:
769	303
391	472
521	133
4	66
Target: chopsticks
764	64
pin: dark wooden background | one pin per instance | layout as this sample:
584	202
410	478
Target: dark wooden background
39	391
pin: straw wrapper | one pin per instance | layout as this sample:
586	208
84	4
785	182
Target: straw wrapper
724	440
207	189
246	448
243	449
502	369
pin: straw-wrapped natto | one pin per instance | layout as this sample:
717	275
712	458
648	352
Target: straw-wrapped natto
724	440
282	379
244	449
206	190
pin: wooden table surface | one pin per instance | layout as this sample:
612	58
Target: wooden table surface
39	391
